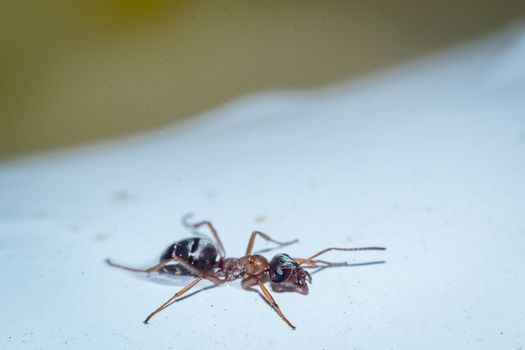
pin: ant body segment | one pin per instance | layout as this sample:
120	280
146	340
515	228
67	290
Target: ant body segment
203	259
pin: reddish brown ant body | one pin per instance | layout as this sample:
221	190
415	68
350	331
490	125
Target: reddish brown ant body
203	259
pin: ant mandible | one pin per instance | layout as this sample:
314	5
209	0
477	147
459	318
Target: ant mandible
201	258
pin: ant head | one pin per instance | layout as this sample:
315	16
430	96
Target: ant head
285	272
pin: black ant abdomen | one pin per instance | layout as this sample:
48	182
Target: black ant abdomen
198	252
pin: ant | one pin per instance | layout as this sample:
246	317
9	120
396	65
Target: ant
201	258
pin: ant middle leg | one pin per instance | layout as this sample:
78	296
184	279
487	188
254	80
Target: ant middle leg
178	294
151	269
267	238
201	276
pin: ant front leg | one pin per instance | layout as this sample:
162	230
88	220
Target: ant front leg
267	238
248	282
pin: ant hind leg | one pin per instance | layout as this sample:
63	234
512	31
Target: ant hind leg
153	268
214	234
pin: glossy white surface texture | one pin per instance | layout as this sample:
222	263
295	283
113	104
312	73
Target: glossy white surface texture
427	159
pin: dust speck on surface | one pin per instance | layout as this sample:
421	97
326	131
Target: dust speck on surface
101	237
211	194
123	196
74	228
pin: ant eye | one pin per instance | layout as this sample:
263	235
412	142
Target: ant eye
281	268
280	275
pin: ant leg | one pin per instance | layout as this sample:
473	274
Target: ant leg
209	276
273	304
214	233
267	238
311	259
178	294
247	284
148	270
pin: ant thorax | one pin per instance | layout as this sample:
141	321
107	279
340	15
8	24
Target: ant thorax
232	269
254	265
247	266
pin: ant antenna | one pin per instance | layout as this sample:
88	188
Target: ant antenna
185	222
339	249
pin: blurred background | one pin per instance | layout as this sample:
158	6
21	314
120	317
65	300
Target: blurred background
73	72
383	123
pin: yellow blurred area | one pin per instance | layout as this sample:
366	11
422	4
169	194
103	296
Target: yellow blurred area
77	71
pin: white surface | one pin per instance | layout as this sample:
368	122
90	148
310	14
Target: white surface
427	160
